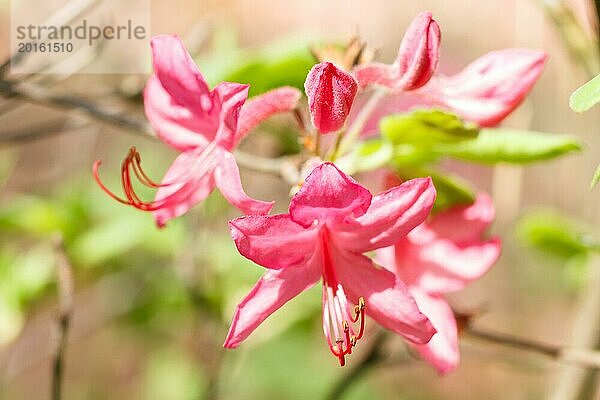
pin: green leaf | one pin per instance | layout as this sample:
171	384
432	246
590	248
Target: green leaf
408	155
172	374
511	146
12	320
109	239
596	177
283	62
555	234
35	216
586	96
424	128
114	237
451	190
367	156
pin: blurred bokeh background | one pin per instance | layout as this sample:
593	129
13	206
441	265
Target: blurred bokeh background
151	308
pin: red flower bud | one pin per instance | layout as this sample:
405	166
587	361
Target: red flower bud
417	59
330	93
419	53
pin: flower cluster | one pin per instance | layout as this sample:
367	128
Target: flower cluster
334	223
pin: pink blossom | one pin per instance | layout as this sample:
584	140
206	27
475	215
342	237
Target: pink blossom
332	222
491	87
205	126
330	93
417	59
440	256
484	92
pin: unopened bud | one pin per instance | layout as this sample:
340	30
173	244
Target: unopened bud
419	52
330	93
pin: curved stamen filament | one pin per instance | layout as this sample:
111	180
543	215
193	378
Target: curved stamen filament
141	175
337	322
359	312
132	161
206	160
338	318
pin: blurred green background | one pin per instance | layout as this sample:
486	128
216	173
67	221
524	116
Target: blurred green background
152	307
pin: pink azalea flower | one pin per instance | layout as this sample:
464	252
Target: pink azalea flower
440	256
417	59
330	93
489	88
485	92
332	222
205	126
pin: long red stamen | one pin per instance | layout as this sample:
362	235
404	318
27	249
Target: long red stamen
347	334
338	315
361	312
334	328
106	190
133	161
341	352
141	175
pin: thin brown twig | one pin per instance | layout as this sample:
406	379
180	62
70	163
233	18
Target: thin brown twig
579	356
284	167
38	95
38	132
65	285
512	341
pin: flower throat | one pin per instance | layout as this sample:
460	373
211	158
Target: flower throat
338	318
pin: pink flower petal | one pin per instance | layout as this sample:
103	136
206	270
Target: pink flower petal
330	93
417	60
271	292
227	179
328	195
442	266
447	252
375	74
442	350
181	192
418	57
178	73
485	92
177	100
390	217
465	223
491	87
175	124
230	98
275	241
263	106
387	299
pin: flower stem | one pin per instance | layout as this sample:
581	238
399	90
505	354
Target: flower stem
359	123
